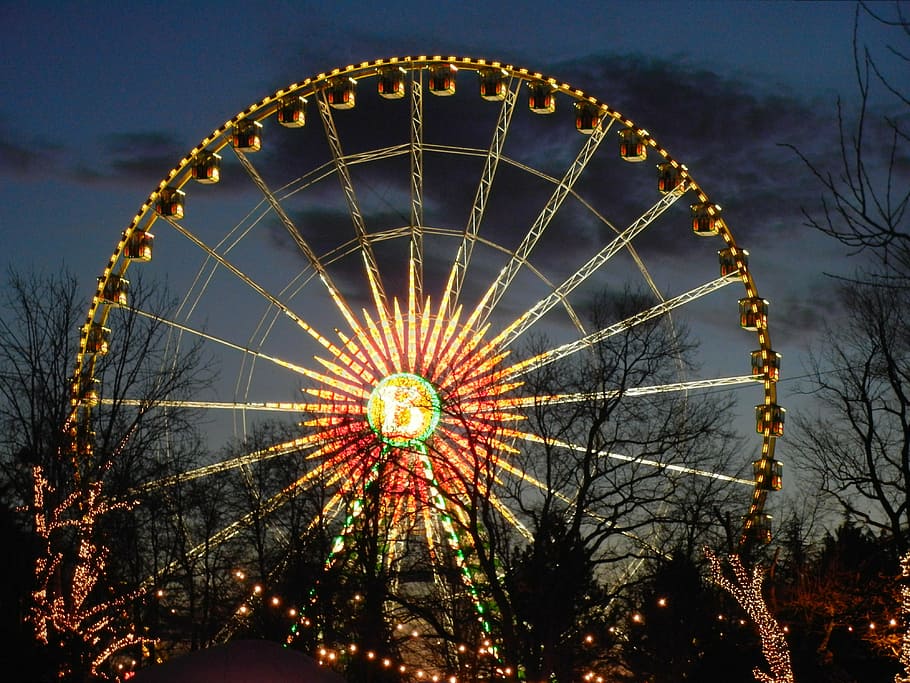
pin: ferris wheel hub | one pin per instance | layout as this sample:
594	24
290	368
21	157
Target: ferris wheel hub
403	409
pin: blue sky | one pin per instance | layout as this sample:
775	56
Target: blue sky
99	100
87	82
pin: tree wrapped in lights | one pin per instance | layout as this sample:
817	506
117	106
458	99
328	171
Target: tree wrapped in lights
905	611
67	609
746	588
71	455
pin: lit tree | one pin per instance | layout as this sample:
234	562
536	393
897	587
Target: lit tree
38	316
83	620
904	677
839	598
746	587
80	471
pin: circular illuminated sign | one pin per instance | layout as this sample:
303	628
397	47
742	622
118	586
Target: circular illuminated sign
403	409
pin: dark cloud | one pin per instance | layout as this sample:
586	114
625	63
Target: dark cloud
728	131
131	157
19	159
731	133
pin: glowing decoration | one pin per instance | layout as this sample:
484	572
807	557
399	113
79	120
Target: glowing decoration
98	629
403	410
410	379
745	587
394	387
905	611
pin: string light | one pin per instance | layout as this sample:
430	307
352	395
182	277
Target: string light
905	611
332	655
329	656
745	587
101	628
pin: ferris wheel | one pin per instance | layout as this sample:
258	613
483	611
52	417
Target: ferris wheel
395	260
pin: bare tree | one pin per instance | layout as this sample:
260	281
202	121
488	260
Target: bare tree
865	199
856	446
594	494
38	342
858	443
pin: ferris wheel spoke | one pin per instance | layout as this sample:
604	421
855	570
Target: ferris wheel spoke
629	247
509	271
235	236
258	406
263	329
570	500
271	314
244	460
673	387
598	260
452	292
328	168
292	229
279	211
522	475
456	277
269	297
509	516
324	171
266	509
586	342
246	350
656	464
227	533
416	242
371	155
296	285
347	185
207	269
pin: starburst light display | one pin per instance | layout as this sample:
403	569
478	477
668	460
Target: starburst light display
420	397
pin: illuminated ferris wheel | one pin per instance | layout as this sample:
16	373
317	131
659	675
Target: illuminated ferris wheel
388	259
